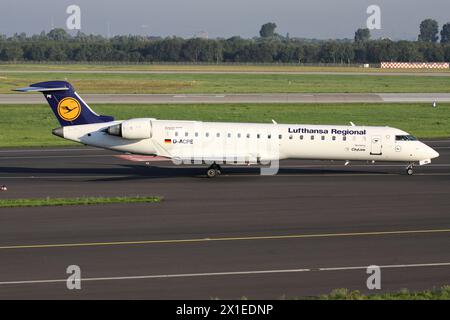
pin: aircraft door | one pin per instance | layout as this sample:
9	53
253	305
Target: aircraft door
376	146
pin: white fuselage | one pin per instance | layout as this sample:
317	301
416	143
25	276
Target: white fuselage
238	143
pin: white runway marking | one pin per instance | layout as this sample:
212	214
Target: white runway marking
228	273
391	266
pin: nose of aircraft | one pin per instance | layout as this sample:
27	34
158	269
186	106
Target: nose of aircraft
432	153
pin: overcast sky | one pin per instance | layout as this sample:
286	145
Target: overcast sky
223	18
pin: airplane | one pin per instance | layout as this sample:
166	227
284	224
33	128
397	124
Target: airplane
216	143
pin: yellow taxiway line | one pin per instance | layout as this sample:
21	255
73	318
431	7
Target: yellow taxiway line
242	238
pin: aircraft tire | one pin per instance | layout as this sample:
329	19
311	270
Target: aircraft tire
211	173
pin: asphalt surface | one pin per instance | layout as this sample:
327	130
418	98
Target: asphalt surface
241	98
312	228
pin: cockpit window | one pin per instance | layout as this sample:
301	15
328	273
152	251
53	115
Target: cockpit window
405	138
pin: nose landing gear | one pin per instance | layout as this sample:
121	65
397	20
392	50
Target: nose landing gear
410	170
213	171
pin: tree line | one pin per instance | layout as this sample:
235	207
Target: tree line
59	46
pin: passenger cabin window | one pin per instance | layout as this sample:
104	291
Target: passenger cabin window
323	138
312	137
258	136
290	137
186	134
218	135
333	138
405	138
301	137
269	136
344	138
280	136
176	133
229	135
207	134
248	135
196	134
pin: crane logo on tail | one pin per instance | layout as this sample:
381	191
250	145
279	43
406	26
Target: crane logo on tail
69	109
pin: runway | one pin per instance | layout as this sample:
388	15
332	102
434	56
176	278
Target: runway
240	98
312	228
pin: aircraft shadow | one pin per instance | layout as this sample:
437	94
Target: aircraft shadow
131	172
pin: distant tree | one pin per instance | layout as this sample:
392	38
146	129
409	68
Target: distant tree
447	53
362	35
19	36
264	52
346	53
408	52
192	49
429	31
56	53
432	52
381	50
329	52
445	33
267	30
12	52
58	34
360	53
35	52
310	53
58	45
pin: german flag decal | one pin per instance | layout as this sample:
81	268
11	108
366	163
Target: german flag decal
167	140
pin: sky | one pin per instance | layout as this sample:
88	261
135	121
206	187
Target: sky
321	19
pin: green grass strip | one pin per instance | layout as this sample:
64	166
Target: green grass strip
404	294
43	202
205	83
30	125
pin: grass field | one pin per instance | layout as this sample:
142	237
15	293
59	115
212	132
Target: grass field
30	125
433	294
11	203
203	67
232	83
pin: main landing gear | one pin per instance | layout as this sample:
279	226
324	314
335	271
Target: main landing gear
213	171
410	170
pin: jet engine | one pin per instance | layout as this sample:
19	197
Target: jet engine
133	129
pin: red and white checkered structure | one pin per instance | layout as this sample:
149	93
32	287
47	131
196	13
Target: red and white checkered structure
415	65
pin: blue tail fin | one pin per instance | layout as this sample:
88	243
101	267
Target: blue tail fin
66	104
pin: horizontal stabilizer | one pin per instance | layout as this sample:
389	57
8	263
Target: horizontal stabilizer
40	89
